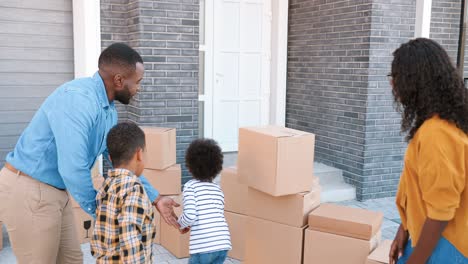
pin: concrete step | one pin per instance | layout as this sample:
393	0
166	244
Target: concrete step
334	189
337	192
327	174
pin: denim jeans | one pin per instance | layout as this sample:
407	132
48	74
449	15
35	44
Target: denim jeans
444	253
216	257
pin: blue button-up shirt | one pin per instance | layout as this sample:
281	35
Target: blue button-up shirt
64	138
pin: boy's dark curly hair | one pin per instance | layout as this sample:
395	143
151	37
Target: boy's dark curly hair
426	83
204	159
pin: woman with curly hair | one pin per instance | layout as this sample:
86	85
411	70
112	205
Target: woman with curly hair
203	213
432	196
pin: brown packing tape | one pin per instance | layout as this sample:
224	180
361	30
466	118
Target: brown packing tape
277	131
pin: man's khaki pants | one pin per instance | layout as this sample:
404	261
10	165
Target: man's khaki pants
39	220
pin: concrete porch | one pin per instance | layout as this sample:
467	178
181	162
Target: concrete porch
334	188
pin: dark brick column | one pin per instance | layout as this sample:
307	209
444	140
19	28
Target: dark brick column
165	33
339	54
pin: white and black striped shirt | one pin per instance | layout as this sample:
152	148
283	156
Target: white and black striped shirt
204	213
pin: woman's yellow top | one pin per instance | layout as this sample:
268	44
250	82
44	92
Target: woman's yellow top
434	182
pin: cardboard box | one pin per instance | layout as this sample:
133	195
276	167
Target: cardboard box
171	239
84	225
380	254
167	182
238	228
157	226
235	193
292	210
345	221
315	183
325	248
95	170
276	160
160	147
98	181
273	243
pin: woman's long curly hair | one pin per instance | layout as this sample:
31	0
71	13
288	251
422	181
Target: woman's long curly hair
426	83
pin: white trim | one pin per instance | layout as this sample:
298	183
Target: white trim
279	58
423	18
202	48
87	41
267	67
86	36
207	97
202	98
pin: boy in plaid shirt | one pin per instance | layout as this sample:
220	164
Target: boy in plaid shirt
124	228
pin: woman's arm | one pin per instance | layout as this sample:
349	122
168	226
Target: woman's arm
430	236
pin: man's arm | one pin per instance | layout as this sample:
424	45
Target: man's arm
71	121
131	220
153	194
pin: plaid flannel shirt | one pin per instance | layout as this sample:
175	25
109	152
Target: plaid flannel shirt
124	229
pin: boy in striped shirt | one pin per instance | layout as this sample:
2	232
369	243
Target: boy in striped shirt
203	201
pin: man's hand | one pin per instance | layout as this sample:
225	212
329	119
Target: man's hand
398	245
165	206
184	230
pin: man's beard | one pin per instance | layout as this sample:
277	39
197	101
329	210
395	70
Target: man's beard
123	96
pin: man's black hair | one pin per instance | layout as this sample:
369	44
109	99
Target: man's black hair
121	55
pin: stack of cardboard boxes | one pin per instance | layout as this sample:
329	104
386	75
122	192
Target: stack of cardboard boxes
235	206
339	234
165	175
272	204
161	169
172	239
272	193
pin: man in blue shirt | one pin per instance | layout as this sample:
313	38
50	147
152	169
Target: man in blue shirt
55	154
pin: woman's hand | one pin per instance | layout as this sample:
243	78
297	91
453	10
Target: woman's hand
398	245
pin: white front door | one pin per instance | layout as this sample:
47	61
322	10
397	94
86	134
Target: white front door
241	68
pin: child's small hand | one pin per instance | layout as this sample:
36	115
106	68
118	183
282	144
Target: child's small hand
184	230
